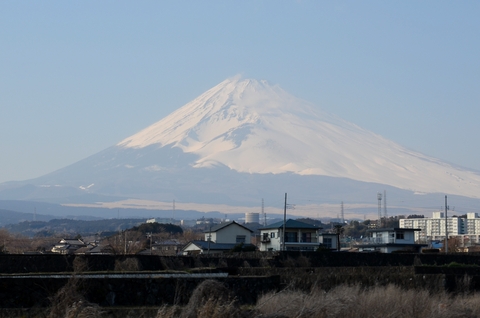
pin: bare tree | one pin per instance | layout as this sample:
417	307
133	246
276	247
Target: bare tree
338	229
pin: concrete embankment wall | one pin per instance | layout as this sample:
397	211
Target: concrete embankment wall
37	292
51	263
250	275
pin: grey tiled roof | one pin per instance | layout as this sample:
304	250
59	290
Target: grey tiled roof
290	224
217	227
216	246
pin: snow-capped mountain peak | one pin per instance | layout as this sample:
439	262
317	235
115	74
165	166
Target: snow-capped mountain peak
251	126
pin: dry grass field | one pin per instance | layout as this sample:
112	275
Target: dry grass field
211	299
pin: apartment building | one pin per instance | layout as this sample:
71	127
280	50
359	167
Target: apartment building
467	227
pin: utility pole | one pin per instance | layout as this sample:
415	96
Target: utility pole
379	198
150	237
125	239
284	222
342	214
446	227
263	214
385	216
209	240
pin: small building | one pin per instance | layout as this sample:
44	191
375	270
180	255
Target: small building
299	236
167	247
388	240
229	233
328	241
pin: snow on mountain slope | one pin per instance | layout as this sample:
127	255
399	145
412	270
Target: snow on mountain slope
253	127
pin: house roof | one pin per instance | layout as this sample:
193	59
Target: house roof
71	241
290	224
327	234
172	242
218	227
204	245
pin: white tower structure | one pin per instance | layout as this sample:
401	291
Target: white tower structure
252	217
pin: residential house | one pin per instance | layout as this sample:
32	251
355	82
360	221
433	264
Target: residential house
230	233
167	247
388	240
68	246
95	249
221	238
299	236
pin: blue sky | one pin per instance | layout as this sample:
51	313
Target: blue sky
79	76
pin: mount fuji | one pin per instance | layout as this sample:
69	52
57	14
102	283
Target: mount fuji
244	140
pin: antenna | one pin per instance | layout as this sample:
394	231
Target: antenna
379	198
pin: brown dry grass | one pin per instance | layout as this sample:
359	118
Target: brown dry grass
385	301
68	302
212	299
391	301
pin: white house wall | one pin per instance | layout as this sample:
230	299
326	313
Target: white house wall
229	234
191	248
274	244
211	236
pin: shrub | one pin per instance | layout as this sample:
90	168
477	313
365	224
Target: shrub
205	299
130	264
68	302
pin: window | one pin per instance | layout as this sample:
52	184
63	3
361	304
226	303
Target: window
272	234
240	239
307	237
291	237
327	241
400	235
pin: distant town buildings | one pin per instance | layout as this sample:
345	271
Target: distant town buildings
467	227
